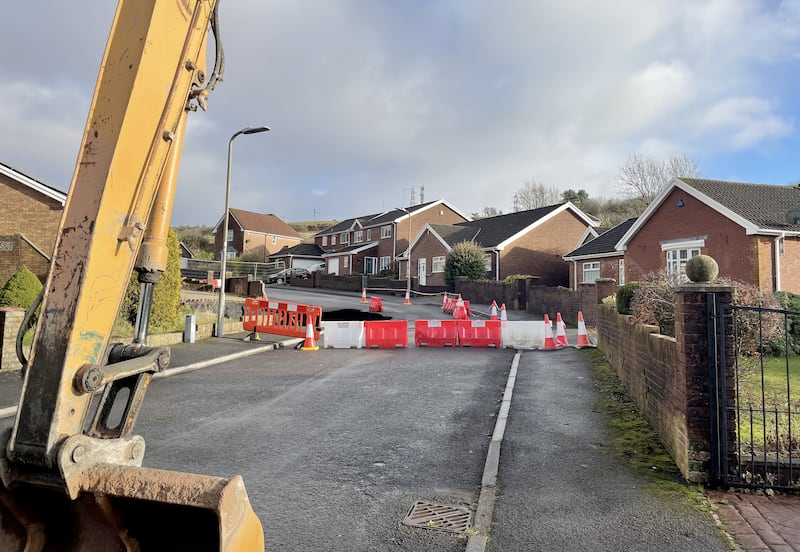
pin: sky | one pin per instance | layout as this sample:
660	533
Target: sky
377	104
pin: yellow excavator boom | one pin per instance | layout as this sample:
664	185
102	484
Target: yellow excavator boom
71	466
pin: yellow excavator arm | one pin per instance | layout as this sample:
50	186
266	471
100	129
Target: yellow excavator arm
71	466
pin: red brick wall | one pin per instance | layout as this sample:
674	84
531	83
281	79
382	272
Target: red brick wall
726	241
790	265
428	247
32	214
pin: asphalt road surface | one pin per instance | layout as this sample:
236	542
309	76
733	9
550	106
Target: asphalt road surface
335	446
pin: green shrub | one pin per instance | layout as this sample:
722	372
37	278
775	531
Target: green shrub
165	312
511	278
21	289
790	302
465	259
625	295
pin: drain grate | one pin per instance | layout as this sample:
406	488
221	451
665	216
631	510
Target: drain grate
455	519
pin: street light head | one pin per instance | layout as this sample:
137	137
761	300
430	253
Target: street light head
254	130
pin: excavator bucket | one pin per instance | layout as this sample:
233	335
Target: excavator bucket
131	509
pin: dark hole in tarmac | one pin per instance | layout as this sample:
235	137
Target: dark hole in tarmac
343	315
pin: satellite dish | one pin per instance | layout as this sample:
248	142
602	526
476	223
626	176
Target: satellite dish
793	217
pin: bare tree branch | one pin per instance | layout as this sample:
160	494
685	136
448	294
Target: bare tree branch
533	195
642	177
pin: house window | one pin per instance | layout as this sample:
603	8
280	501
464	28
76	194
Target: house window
621	279
324	241
385	263
230	236
346	262
676	260
333	239
386	231
369	234
437	264
344	237
487	261
591	272
370	265
358	236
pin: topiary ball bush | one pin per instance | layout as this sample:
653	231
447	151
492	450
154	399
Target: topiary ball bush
702	269
21	289
625	297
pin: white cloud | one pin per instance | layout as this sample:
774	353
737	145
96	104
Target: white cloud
744	122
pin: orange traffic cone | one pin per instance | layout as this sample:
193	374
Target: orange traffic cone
549	342
460	312
363	295
493	316
583	337
309	344
503	312
561	332
408	298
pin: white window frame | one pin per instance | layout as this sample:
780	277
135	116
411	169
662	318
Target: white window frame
386	231
369	234
333	239
678	252
358	236
324	241
384	263
344	237
370	262
437	264
230	236
487	261
591	272
621	280
345	262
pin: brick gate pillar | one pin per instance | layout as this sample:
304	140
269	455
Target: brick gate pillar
10	322
694	354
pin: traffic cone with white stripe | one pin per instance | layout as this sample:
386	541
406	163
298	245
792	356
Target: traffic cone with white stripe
583	337
549	342
408	297
561	332
493	316
460	312
309	344
363	295
503	316
444	300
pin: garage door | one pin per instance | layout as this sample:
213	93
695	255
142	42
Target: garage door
333	266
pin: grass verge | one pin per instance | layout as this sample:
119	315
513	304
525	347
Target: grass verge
638	445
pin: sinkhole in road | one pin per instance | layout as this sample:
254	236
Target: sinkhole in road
346	315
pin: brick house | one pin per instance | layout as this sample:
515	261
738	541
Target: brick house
304	255
527	242
30	215
751	230
599	258
374	244
254	233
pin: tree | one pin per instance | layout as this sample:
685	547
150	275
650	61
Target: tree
576	198
533	195
487	212
465	259
641	177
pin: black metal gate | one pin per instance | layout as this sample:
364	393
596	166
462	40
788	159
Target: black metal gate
754	395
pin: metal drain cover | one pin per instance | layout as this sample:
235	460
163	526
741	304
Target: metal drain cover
455	519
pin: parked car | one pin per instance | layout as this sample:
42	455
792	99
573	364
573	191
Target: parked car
317	267
283	276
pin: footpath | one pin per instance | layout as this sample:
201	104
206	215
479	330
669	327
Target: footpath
559	484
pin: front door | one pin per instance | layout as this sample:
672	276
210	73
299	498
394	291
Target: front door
421	271
333	266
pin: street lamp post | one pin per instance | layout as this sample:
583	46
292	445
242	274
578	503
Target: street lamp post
223	265
408	254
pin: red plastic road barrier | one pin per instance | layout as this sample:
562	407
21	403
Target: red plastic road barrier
280	318
479	333
386	334
435	333
375	304
449	305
